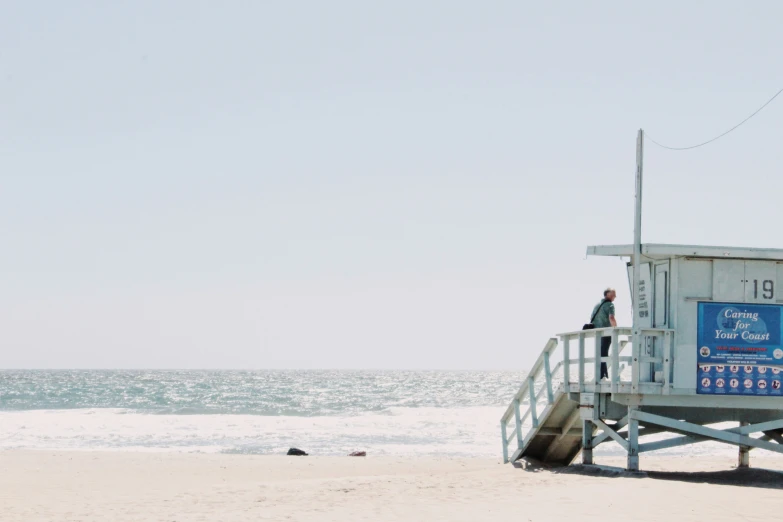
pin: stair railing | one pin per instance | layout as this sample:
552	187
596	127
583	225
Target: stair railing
545	397
545	383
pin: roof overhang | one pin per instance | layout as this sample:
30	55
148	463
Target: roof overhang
659	251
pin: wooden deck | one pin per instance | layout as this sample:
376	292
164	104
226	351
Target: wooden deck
564	408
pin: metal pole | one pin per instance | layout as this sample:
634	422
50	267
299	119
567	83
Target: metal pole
637	248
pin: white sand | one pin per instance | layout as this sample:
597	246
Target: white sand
116	486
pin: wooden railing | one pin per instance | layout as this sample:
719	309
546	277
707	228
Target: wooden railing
545	382
528	392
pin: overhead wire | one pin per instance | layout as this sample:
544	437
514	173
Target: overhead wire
720	135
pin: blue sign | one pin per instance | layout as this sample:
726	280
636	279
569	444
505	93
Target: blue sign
740	380
740	349
735	333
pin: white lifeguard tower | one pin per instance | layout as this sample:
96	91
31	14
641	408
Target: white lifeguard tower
706	347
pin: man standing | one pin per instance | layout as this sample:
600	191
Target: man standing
603	317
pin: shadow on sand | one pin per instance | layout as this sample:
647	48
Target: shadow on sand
741	477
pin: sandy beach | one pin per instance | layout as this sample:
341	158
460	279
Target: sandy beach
119	486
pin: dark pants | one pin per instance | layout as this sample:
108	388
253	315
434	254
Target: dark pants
606	342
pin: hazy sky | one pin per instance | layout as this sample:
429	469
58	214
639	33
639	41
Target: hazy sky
361	184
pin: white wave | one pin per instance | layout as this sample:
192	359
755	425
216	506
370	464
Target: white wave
470	432
400	431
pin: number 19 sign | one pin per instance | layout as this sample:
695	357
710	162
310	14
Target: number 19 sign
767	289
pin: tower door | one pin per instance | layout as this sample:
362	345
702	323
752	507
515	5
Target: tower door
661	296
660	312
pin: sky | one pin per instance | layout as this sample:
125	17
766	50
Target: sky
346	184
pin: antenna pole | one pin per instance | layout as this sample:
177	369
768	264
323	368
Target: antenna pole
637	247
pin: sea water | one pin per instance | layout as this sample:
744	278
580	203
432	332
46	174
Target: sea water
257	412
403	413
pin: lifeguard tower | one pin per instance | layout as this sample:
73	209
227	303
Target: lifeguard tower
706	347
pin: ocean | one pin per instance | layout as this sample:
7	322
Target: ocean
329	412
256	412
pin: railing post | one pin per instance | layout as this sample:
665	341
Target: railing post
668	339
533	414
615	360
566	363
518	418
636	349
581	362
505	441
550	396
597	365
